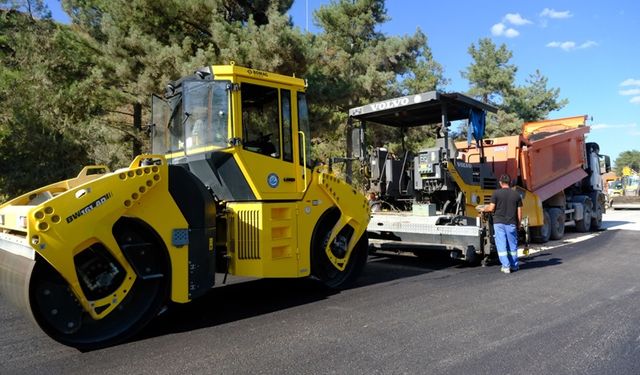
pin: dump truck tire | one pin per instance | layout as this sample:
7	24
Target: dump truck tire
542	233
556	220
584	225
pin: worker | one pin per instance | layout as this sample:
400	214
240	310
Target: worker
506	205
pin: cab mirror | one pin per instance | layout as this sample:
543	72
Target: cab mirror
607	164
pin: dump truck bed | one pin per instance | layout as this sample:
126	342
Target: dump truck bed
547	157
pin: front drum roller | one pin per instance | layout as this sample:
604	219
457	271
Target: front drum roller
321	266
58	312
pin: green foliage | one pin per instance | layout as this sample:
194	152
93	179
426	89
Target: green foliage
144	44
71	94
492	80
503	124
490	75
40	141
534	101
35	9
629	159
352	63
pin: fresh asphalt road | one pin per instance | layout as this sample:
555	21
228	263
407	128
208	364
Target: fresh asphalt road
573	308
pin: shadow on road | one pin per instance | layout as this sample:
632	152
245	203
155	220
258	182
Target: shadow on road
237	302
611	224
254	298
534	261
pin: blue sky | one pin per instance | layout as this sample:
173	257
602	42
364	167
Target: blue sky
588	49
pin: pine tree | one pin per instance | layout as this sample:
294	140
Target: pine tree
353	63
492	80
145	43
534	101
490	75
42	129
629	159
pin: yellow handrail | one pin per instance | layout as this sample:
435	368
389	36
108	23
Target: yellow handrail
304	159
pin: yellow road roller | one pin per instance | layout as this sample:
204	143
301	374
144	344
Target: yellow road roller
229	189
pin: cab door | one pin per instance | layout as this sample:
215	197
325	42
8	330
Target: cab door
268	141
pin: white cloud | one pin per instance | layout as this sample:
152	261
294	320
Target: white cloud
634	91
499	29
630	92
552	13
588	44
613	126
571	45
567	46
511	33
516	19
630	82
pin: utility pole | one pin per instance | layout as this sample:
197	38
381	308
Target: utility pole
306	14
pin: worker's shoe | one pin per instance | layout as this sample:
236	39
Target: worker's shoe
505	270
514	269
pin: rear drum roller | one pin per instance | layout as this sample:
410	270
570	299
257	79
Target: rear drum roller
322	268
336	279
61	316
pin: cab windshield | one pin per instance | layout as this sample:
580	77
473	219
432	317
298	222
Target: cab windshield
633	180
193	120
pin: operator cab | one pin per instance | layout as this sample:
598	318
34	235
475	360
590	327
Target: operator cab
420	181
243	132
193	118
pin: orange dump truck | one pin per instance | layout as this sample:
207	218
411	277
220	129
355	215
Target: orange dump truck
552	160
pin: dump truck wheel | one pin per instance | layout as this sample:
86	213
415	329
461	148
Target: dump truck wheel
585	224
541	234
596	219
556	219
59	314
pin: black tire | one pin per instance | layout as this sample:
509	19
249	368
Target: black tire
584	225
556	219
541	234
49	291
596	218
322	268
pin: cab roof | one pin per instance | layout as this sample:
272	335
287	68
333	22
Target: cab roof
420	109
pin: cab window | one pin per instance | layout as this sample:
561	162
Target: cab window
303	124
260	119
205	110
287	146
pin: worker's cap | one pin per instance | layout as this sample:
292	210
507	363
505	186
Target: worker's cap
505	179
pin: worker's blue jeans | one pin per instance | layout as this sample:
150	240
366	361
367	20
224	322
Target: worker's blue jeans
506	237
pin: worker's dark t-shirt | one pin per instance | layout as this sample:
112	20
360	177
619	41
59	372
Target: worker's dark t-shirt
507	202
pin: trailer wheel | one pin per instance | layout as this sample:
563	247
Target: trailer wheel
556	219
541	234
585	224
